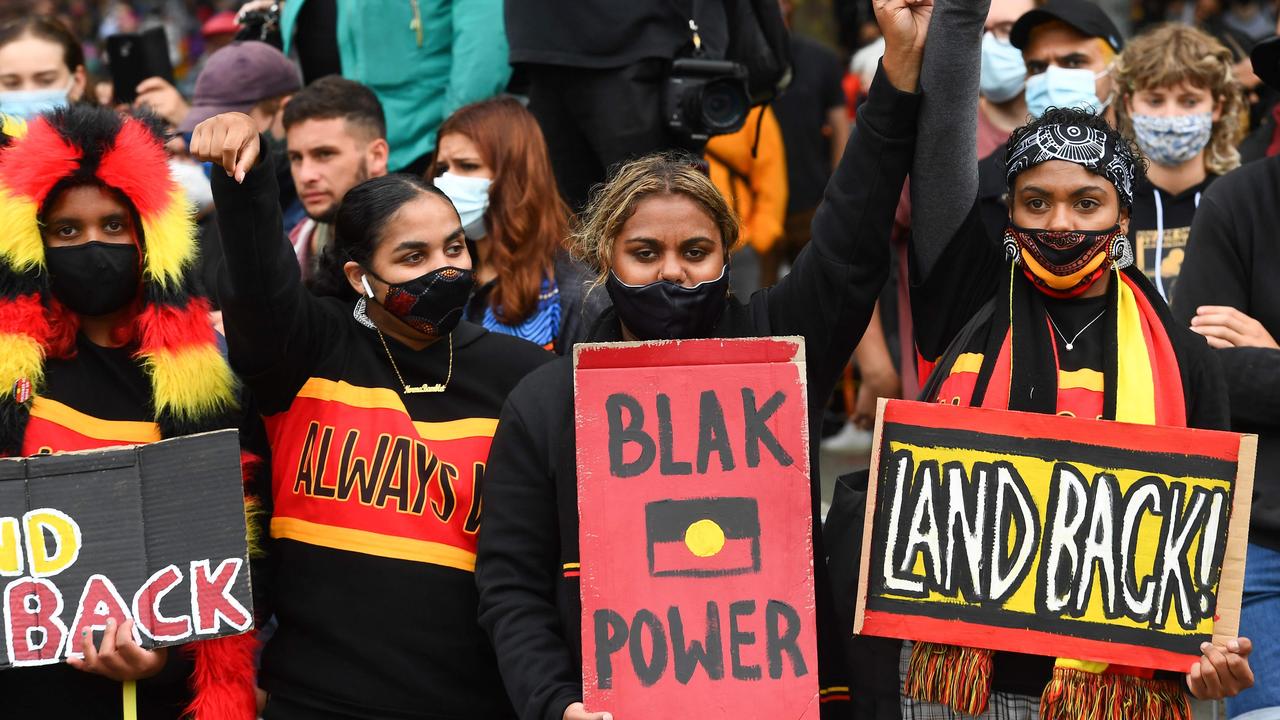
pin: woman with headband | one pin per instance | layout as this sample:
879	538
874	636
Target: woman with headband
1089	337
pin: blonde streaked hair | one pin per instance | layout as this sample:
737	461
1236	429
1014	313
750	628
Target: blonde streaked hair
615	201
1172	54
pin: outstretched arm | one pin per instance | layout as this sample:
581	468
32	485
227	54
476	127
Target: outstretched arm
944	175
266	311
833	286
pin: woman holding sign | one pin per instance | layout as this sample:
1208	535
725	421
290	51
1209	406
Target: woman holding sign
105	340
659	235
1089	337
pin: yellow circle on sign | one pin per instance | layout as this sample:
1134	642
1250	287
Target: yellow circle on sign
704	538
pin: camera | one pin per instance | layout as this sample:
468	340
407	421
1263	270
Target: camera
706	97
261	25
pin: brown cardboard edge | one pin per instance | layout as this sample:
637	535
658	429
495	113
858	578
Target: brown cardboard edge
868	520
1226	626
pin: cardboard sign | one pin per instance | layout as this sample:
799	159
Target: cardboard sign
696	529
1057	536
150	533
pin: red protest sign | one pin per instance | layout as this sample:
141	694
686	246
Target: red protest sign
695	529
1088	539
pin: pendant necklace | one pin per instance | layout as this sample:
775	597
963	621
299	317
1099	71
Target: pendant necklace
1071	344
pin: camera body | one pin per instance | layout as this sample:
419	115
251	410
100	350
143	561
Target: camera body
705	97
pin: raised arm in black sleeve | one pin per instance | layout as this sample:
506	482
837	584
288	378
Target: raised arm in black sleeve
270	318
832	288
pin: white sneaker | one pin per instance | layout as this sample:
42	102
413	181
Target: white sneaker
849	441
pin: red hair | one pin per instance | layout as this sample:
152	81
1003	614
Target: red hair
527	221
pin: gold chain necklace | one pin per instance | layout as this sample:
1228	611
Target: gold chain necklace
414	389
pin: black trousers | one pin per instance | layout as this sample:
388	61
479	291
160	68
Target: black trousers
595	119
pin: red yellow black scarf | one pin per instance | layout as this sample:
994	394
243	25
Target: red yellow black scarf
1016	368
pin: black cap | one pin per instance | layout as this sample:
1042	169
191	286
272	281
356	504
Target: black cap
1266	62
1082	15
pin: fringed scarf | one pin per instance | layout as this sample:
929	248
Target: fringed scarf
1016	368
193	389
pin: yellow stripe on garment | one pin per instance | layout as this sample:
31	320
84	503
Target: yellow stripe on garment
123	431
967	362
1135	385
130	699
833	689
352	395
572	566
1097	668
1085	379
369	398
457	429
369	543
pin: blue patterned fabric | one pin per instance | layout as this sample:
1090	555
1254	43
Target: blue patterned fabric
542	327
1174	139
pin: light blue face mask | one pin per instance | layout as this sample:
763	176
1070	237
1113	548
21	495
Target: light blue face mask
1003	72
1064	88
27	104
470	197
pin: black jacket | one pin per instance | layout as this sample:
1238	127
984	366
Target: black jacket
603	34
527	604
1233	259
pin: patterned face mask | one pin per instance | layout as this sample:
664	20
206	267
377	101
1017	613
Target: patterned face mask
1172	140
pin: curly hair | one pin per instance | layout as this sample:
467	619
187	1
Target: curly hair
1172	54
1124	146
615	201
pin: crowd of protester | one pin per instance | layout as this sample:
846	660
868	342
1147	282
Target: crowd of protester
354	227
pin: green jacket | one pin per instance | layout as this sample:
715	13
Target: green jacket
463	58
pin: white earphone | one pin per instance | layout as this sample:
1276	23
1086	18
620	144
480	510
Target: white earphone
364	280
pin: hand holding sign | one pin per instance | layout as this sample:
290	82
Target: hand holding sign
119	657
1221	673
576	711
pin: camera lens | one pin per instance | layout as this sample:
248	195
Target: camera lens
724	105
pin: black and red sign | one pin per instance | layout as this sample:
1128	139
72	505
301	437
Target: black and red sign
150	533
695	530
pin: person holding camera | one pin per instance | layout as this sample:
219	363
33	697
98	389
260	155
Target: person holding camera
658	237
612	80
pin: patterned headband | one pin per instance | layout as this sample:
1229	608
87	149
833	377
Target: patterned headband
1097	151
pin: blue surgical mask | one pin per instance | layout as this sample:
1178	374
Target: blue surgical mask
1064	88
1173	140
27	104
470	197
1003	72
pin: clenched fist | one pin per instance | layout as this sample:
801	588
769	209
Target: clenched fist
229	140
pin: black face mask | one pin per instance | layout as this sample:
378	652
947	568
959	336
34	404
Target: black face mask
432	303
95	278
667	311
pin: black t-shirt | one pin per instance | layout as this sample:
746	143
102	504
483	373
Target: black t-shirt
1160	226
802	114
